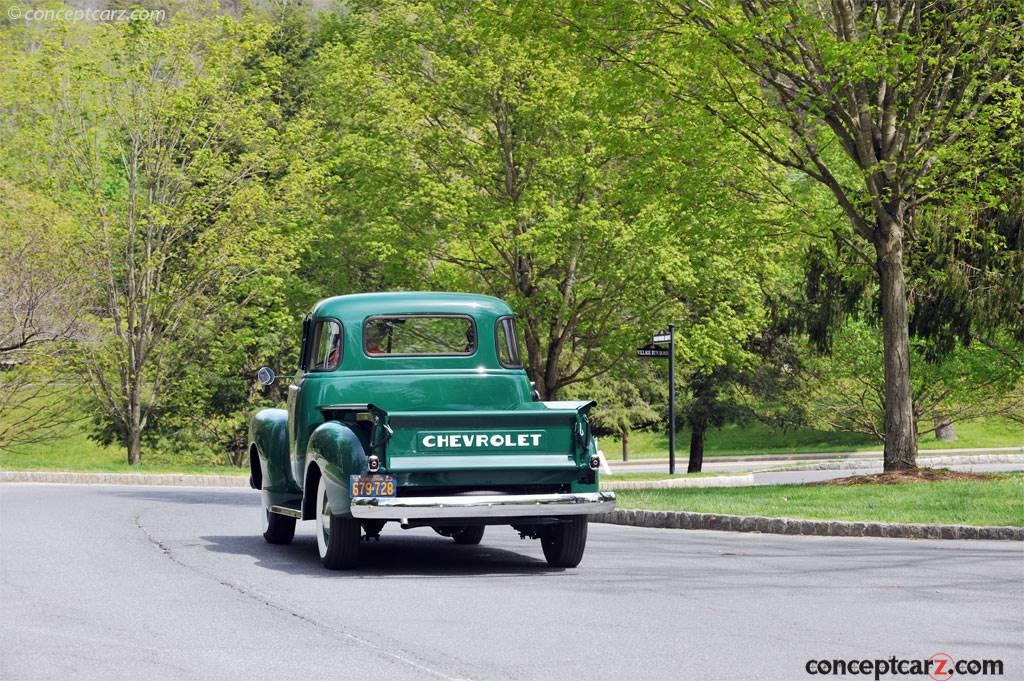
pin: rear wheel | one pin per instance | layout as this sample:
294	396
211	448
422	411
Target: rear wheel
564	543
277	528
337	538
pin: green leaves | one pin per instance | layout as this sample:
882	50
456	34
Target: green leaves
480	149
195	202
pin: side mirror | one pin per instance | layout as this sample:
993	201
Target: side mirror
266	376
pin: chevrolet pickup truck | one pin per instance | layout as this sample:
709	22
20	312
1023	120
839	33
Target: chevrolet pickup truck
414	408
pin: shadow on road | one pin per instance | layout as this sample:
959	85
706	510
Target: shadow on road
392	556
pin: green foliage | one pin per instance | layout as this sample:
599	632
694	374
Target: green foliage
535	170
193	198
887	106
632	396
194	185
969	265
846	389
40	303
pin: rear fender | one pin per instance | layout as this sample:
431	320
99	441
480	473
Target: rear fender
268	433
337	453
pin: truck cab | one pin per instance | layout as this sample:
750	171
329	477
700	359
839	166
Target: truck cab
415	409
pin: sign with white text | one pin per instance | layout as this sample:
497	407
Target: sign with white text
653	351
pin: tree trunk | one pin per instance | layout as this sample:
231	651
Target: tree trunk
625	445
134	421
944	428
900	425
697	431
134	445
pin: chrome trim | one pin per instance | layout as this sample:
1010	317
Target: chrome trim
485	506
286	510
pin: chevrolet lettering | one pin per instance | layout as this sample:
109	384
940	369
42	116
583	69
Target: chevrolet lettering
480	440
413	409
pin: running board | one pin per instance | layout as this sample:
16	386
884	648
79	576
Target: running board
288	511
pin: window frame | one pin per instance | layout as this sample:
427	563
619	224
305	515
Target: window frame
385	355
339	344
498	324
307	323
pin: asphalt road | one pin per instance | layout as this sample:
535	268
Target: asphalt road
112	582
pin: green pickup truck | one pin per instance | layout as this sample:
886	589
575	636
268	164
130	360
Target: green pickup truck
415	408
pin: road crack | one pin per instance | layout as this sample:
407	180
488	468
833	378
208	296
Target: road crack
262	599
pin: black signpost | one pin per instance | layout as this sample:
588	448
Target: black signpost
653	351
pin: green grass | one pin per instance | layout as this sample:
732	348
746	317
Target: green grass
78	453
999	501
757	438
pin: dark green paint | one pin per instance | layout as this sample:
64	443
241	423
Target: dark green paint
418	396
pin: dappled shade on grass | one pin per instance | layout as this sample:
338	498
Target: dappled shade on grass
994	500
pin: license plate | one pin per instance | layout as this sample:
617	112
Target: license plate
372	486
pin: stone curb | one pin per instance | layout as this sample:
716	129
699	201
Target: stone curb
682	520
682	481
197	480
922	462
173	479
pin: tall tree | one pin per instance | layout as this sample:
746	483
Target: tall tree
884	104
164	150
483	150
759	380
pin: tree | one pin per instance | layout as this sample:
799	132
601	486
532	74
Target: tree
41	299
760	380
165	153
885	105
628	398
847	390
480	149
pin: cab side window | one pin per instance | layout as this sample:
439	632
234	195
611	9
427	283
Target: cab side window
508	348
326	355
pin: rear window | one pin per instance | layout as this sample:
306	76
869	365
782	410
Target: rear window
419	335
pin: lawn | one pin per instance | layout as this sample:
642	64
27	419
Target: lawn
996	501
78	453
757	438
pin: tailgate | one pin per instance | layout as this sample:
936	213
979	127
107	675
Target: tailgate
553	435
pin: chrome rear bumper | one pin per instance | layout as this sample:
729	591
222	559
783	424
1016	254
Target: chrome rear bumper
489	506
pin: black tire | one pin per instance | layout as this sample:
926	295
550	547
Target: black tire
337	538
564	543
277	528
469	535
